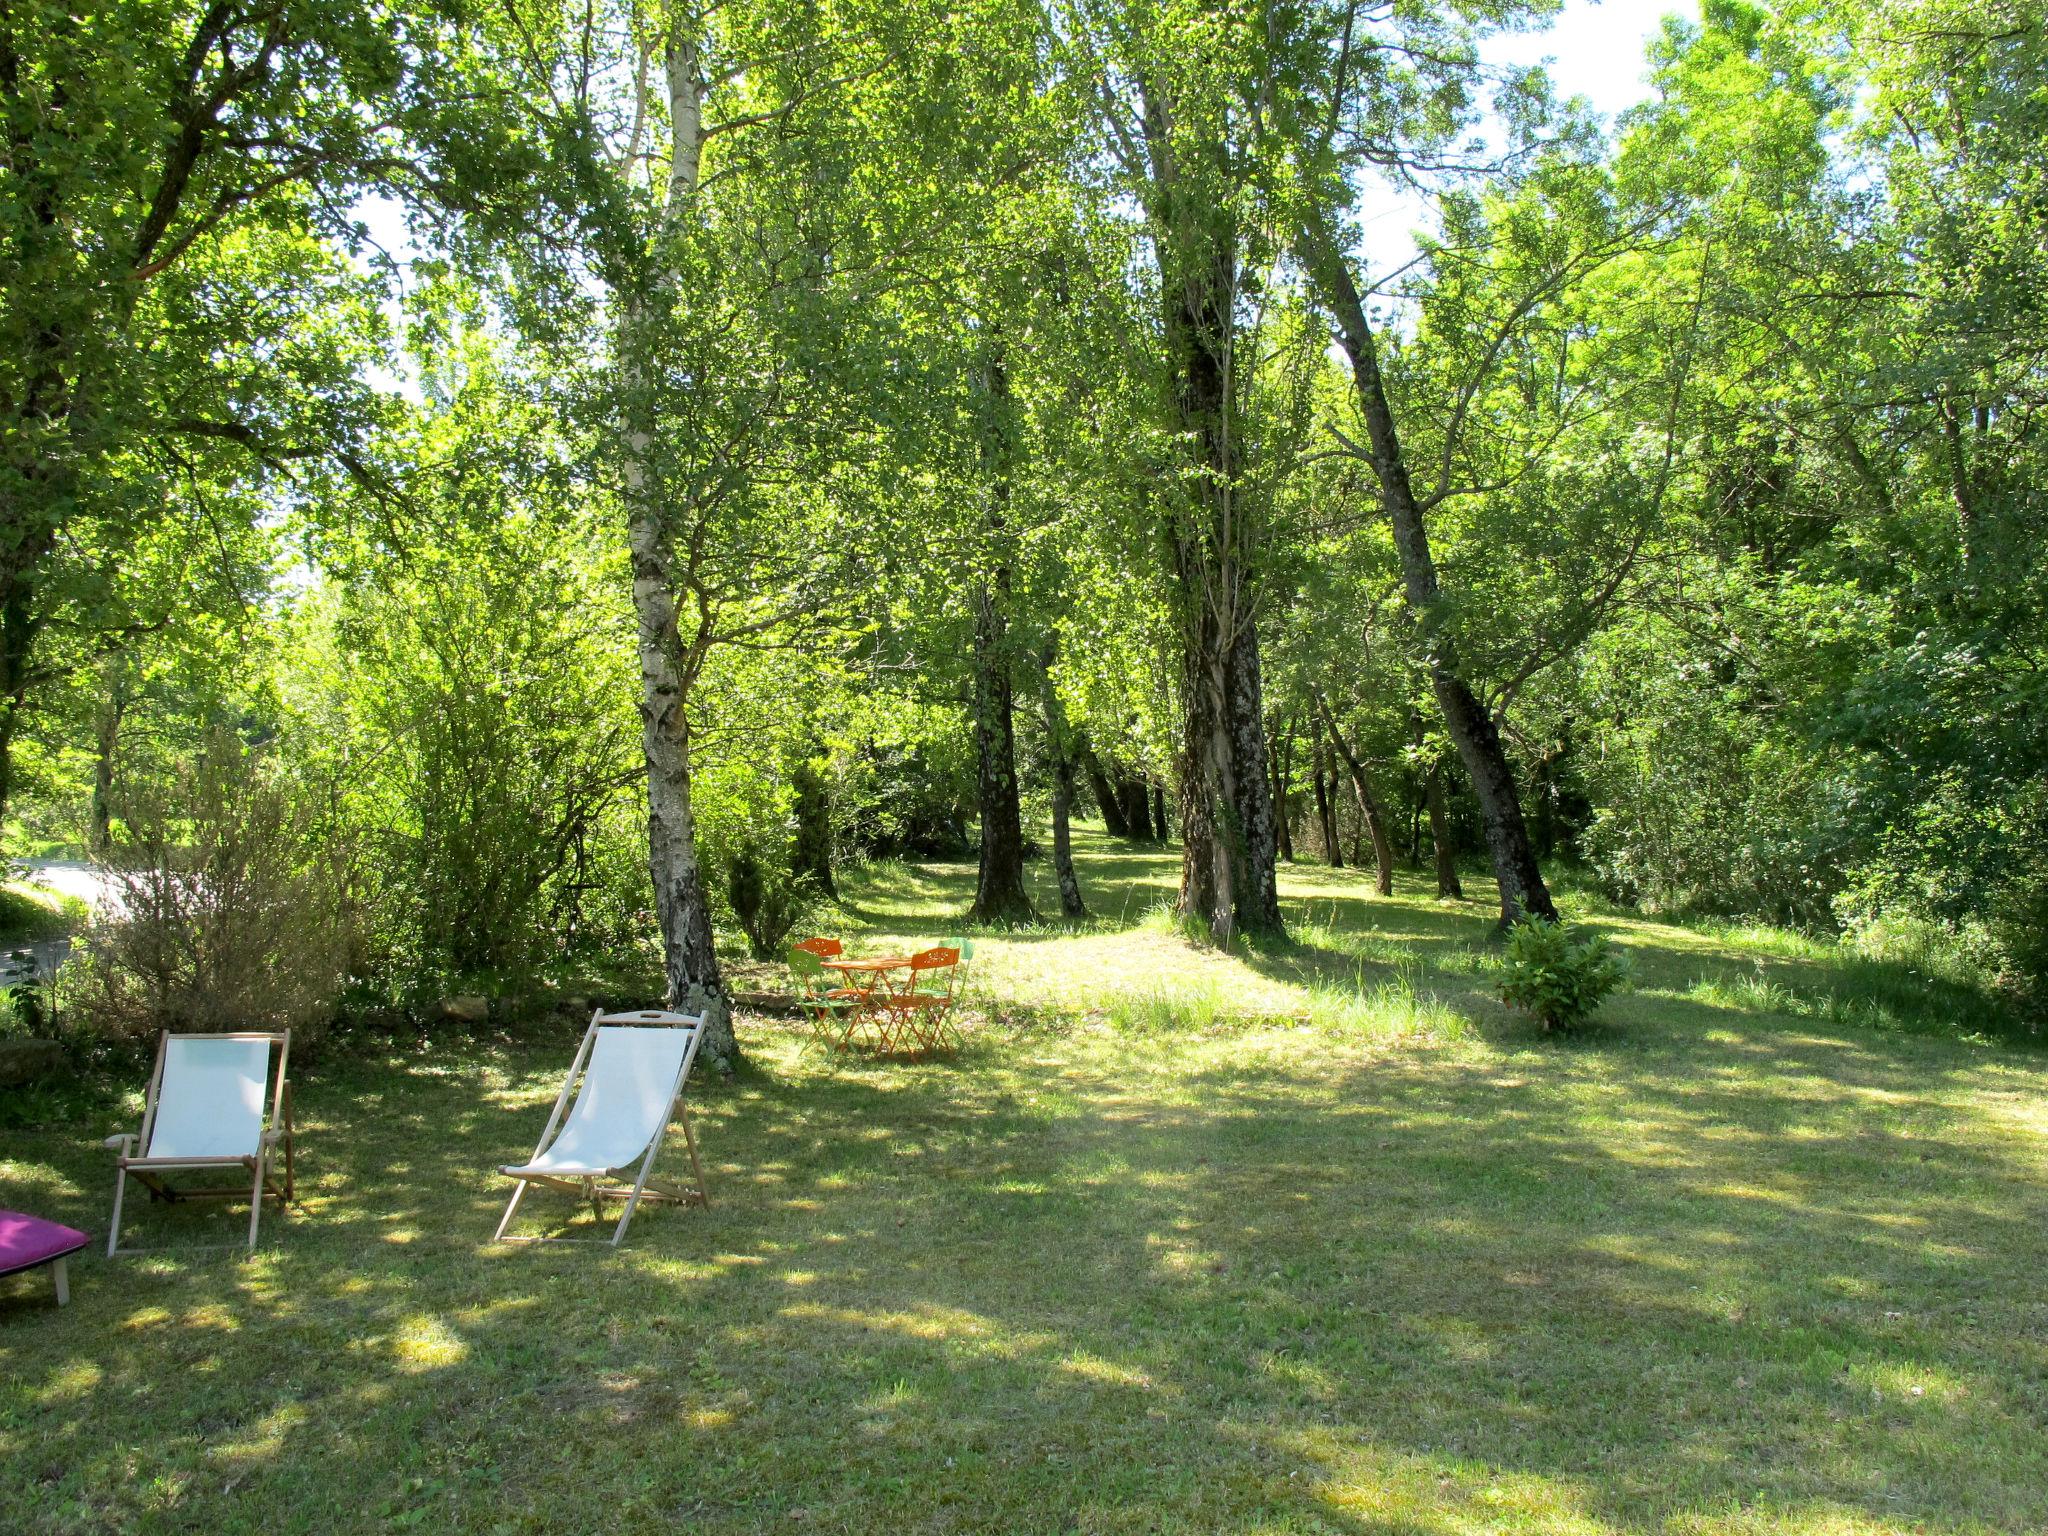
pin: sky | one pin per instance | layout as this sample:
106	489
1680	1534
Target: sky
1595	49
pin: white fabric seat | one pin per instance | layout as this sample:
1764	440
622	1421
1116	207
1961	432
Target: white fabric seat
628	1078
210	1100
213	1105
628	1085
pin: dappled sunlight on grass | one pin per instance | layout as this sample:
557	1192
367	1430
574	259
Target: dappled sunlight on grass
1309	1237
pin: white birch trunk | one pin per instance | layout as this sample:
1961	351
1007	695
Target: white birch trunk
668	667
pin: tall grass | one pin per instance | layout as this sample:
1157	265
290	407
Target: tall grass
1190	1007
1393	1008
1872	993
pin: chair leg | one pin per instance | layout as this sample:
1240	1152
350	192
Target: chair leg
256	1198
696	1167
511	1207
63	1283
633	1200
114	1226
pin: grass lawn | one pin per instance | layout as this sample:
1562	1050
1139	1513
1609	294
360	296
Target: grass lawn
29	913
1311	1239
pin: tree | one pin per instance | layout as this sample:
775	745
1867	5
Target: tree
176	313
723	158
1168	84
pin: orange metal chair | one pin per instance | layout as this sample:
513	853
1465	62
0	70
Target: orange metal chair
921	1010
824	949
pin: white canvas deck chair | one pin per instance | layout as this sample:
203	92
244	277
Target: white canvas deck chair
633	1067
206	1112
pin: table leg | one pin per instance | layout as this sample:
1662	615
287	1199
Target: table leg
63	1282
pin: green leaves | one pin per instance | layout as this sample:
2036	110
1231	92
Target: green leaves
1560	979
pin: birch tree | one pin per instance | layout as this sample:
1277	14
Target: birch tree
756	178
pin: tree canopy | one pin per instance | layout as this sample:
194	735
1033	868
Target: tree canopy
608	465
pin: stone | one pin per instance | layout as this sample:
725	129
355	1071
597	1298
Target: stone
466	1008
23	1061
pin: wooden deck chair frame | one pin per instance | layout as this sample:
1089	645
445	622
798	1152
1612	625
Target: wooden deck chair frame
148	1171
593	1187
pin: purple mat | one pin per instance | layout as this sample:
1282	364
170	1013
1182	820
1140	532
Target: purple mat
26	1241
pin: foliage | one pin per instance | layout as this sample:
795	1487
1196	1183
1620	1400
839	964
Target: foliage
227	911
769	899
551	433
29	912
466	706
1559	978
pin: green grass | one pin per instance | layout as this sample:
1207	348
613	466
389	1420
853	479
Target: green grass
29	912
1311	1238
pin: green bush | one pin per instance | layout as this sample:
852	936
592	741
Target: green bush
769	899
1560	979
228	911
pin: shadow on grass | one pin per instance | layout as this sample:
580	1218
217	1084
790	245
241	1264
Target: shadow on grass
1712	1276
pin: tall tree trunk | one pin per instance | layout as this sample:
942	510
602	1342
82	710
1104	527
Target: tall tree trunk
1326	824
1471	728
1205	849
1059	743
1114	821
1228	844
1159	825
667	673
1071	904
669	666
1258	885
1447	882
999	895
1370	811
1136	796
1279	752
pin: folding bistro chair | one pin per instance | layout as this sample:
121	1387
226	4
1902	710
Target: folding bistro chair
205	1111
961	972
832	1009
922	1007
632	1068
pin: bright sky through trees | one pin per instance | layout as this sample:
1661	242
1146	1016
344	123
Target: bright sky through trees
1591	50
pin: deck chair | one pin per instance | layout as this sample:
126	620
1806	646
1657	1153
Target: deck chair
632	1067
833	1010
205	1112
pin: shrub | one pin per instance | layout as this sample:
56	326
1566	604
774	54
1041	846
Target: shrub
769	899
471	716
226	914
1560	979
